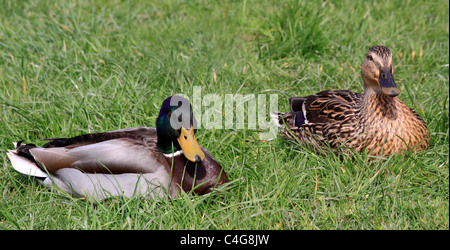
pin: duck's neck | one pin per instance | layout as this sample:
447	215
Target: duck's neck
166	145
174	154
376	103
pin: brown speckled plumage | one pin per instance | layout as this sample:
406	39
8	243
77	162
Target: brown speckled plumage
375	120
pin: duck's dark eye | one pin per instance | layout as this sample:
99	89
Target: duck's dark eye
185	137
169	114
180	118
370	58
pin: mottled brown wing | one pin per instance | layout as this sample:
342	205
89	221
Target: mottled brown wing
330	106
329	117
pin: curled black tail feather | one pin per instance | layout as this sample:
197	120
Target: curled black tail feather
24	150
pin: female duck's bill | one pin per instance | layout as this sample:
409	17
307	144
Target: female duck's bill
387	84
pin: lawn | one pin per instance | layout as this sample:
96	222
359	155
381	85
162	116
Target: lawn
73	67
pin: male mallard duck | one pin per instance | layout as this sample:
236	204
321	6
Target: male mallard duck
376	119
148	161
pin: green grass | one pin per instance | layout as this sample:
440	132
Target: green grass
72	67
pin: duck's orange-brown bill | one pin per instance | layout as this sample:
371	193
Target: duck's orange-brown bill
387	84
189	145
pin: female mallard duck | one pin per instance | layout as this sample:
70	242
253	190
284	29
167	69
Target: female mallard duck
148	161
376	120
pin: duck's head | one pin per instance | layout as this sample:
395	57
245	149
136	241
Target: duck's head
176	127
377	71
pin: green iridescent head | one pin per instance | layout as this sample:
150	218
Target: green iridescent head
176	127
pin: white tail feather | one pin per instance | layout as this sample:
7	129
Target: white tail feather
275	116
304	112
25	166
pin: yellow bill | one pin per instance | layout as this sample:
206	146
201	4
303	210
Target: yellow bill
189	145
